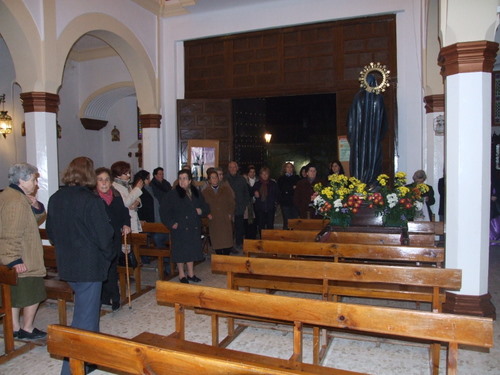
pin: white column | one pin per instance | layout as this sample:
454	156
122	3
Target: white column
150	148
468	132
41	150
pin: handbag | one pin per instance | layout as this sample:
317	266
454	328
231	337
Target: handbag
132	260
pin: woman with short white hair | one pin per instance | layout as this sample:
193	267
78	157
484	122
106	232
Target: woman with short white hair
21	247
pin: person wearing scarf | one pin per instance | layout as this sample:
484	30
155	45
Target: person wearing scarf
131	195
303	193
266	195
120	221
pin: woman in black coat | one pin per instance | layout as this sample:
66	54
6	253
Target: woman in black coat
181	212
287	183
79	227
120	220
266	195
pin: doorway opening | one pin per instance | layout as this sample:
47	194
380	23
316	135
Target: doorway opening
303	129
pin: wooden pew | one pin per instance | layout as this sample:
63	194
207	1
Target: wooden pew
329	279
56	289
135	240
434	227
385	254
416	284
416	239
307	224
8	277
448	329
153	354
158	253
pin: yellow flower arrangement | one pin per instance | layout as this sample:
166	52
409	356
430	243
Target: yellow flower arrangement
340	199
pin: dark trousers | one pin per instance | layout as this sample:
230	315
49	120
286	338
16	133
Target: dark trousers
266	220
225	251
110	290
288	212
239	230
251	229
87	310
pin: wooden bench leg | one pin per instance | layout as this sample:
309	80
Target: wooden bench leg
316	345
61	308
179	321
452	358
297	343
215	330
8	323
160	268
77	367
435	354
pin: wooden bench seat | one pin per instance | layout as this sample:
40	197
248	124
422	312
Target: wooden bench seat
424	227
384	254
135	241
158	252
8	277
307	224
56	289
369	238
153	354
448	329
332	280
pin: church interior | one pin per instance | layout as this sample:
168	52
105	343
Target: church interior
145	81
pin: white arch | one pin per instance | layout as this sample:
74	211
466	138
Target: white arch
23	40
125	43
97	105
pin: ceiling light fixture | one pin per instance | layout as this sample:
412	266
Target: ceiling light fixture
5	119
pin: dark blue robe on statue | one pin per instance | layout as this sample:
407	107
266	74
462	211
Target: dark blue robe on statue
366	127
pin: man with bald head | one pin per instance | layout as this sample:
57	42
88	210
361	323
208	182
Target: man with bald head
242	197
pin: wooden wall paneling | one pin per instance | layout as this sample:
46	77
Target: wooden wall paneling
205	119
304	59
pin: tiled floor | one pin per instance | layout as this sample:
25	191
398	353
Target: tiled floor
364	354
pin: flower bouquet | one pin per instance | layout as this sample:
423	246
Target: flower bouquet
397	204
340	199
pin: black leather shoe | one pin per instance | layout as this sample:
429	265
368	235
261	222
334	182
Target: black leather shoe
194	279
36	334
115	306
16	334
184	280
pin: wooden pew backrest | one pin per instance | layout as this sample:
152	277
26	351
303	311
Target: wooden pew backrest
336	251
167	356
363	273
458	329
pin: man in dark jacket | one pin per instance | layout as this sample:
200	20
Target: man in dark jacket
160	186
242	198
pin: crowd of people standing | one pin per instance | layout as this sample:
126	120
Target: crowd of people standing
87	218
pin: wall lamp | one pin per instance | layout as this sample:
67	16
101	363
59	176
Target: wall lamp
268	137
5	119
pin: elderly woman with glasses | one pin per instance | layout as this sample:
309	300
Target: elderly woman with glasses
21	247
130	194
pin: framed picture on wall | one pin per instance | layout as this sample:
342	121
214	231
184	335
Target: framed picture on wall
202	154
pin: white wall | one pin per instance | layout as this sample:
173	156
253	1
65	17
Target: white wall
13	147
81	79
278	13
